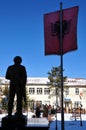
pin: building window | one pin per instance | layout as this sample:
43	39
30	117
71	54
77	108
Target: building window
67	91
46	91
46	102
77	91
77	104
39	90
31	90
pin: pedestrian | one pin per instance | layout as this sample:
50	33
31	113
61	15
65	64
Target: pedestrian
38	111
17	75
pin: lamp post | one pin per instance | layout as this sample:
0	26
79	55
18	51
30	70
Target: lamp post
80	115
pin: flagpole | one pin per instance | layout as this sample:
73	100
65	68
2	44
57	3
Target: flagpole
61	58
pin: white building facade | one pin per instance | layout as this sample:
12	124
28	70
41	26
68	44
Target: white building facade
38	90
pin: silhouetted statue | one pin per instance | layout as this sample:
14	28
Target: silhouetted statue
18	77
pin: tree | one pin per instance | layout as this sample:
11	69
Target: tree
5	98
4	101
54	77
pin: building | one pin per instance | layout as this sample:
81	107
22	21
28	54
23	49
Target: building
39	91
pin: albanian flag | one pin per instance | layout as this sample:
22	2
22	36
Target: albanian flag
69	31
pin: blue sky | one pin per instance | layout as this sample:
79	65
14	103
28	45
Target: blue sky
22	33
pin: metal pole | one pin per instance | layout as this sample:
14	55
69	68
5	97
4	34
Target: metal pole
80	115
56	107
61	49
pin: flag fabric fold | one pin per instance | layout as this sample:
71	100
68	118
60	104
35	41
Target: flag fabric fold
69	31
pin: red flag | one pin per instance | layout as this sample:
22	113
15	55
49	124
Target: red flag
69	31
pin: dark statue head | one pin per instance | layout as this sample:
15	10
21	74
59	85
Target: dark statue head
17	60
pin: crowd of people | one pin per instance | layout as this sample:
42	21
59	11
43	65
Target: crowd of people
42	110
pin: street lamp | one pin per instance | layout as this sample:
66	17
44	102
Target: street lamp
80	115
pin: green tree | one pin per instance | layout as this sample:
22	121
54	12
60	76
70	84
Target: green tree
54	76
5	98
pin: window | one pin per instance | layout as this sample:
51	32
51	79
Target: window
31	90
67	91
77	91
39	90
47	102
46	91
77	104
